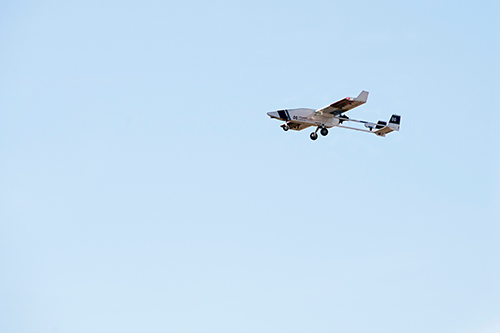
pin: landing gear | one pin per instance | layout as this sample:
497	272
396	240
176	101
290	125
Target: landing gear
285	127
324	132
314	135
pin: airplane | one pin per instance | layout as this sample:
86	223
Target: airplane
333	116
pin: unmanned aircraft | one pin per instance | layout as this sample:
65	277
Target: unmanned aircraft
333	116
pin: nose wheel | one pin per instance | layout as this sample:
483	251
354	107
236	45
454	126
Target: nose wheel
285	127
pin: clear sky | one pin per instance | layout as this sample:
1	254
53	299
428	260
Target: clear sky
144	189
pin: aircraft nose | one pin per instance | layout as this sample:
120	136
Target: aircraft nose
273	114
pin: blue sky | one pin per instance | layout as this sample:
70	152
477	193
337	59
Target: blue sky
144	188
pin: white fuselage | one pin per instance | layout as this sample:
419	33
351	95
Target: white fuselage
305	116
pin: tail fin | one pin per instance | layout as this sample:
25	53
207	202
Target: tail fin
394	122
380	124
383	128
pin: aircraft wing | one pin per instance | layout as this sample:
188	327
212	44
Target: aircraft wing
343	105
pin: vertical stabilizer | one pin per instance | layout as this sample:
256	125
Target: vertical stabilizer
394	122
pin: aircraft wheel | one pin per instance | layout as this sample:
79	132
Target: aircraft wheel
286	128
313	136
324	131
